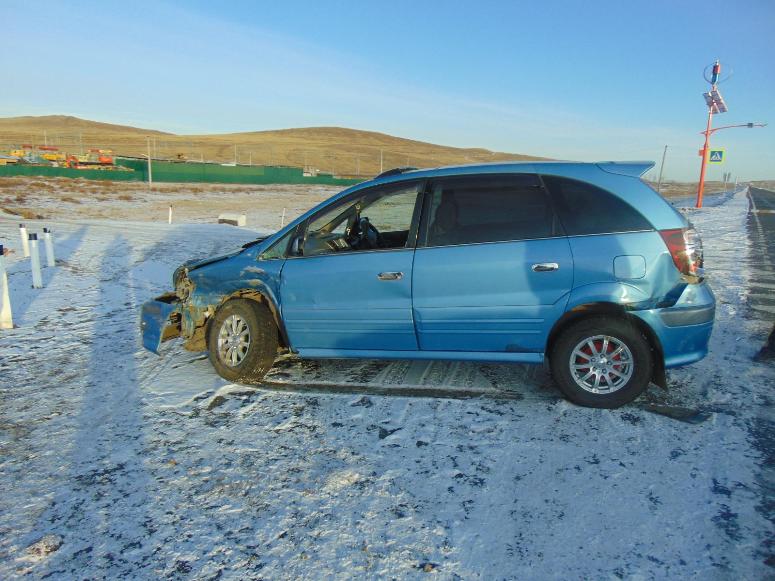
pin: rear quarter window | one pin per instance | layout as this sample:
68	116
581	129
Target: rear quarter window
587	209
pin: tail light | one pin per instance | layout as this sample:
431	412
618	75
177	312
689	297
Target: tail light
685	247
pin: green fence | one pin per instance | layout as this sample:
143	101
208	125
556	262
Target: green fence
168	171
65	172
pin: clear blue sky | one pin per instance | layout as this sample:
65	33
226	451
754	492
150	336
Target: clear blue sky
584	80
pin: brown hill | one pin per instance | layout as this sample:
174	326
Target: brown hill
331	149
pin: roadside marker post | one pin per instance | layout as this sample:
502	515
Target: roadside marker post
49	243
282	220
37	280
169	216
25	241
6	318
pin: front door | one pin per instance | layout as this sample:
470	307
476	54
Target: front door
492	270
350	286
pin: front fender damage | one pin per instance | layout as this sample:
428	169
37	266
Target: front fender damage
186	314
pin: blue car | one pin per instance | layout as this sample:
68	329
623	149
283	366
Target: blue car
581	265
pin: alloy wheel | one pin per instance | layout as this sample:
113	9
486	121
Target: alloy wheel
233	340
601	364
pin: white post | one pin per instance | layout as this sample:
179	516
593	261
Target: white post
169	217
282	220
6	318
49	243
25	242
37	281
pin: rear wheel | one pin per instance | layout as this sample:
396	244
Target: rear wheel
602	362
242	341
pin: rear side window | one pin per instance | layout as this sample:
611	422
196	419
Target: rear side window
469	210
587	209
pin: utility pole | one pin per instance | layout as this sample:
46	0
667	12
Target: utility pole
661	169
150	176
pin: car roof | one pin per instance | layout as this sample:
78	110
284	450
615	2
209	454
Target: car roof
561	168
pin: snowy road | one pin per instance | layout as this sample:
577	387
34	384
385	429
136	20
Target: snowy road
129	465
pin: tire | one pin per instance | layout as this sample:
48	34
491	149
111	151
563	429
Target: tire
244	363
620	378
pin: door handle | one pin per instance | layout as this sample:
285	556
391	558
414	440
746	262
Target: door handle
390	275
545	266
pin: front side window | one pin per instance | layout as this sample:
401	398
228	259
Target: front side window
378	220
470	210
587	209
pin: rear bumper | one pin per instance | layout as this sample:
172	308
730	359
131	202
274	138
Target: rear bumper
684	329
159	322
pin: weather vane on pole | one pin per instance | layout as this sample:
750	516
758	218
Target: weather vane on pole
716	104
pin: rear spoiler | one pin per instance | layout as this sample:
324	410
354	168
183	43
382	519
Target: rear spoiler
626	168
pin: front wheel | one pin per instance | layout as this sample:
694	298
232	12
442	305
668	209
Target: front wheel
601	362
242	341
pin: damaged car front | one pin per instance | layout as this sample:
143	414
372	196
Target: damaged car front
201	286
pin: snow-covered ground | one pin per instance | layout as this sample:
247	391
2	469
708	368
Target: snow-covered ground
117	463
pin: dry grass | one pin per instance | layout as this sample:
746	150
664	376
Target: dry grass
40	185
71	200
126	198
25	213
8	183
327	148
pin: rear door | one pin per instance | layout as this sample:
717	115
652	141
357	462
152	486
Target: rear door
493	270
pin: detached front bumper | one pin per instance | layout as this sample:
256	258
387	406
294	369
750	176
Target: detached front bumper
160	321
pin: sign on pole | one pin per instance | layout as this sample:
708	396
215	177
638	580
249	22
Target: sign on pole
716	156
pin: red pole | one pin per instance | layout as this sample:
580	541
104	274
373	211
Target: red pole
705	148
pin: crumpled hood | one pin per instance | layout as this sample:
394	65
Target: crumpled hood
200	262
196	263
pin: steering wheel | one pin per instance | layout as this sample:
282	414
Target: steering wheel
366	235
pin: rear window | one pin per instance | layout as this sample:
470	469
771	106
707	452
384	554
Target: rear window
469	210
587	209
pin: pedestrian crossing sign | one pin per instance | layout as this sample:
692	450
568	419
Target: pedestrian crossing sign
716	156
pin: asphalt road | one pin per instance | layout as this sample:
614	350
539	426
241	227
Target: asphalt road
761	301
761	232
